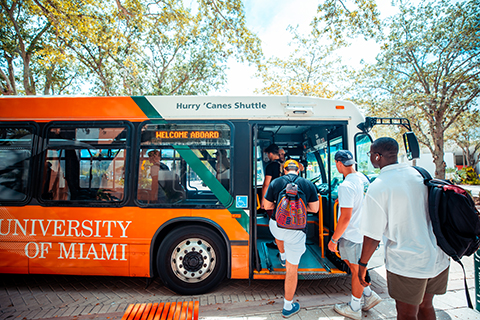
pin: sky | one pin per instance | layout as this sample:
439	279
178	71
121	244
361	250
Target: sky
269	20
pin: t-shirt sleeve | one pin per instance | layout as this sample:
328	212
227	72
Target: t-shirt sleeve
273	169
346	195
312	194
270	195
374	218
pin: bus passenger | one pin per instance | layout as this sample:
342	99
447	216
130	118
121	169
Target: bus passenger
272	171
282	156
351	193
223	168
157	194
395	207
155	159
291	243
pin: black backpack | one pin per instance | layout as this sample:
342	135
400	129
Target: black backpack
455	220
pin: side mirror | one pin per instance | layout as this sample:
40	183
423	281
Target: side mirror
411	145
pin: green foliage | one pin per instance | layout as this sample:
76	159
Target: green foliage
465	132
129	47
308	71
468	176
341	19
427	70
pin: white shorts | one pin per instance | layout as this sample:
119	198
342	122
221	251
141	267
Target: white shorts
294	241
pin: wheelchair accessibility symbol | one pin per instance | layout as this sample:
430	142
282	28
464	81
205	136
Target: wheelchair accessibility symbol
242	202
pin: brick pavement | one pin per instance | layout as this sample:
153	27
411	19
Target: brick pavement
86	297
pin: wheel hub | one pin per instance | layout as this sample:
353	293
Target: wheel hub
193	260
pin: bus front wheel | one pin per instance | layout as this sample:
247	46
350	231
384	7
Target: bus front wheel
192	260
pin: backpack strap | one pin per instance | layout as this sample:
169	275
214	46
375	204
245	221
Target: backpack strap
289	180
469	301
425	174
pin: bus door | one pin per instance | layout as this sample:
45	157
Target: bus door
313	144
257	172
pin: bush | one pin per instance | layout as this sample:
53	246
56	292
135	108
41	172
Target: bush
468	176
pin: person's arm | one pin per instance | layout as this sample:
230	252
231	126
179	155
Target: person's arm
313	206
343	221
154	188
369	247
266	183
268	204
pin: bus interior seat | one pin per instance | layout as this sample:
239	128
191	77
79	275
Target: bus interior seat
170	183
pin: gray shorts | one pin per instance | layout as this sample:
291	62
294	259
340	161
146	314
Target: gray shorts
349	250
294	241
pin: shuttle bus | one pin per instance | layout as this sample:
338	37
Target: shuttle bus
164	186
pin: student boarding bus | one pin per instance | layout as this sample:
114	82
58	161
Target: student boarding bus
164	186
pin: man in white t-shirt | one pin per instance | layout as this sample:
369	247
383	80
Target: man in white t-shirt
396	207
347	234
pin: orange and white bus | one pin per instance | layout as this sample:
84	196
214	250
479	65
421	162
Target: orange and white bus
82	191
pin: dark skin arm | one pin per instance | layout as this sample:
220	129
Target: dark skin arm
369	247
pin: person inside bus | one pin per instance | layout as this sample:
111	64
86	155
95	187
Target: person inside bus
157	194
282	156
166	187
272	171
223	168
291	243
155	158
50	185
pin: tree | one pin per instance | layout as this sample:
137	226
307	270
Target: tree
428	70
124	47
466	134
22	38
343	19
308	71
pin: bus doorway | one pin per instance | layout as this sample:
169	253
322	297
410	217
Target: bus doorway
313	145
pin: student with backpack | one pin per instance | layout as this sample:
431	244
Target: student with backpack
396	207
347	234
292	197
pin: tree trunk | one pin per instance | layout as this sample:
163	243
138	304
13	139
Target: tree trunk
48	80
27	85
438	155
10	87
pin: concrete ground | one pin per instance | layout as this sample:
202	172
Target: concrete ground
76	297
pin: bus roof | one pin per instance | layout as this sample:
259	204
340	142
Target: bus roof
140	108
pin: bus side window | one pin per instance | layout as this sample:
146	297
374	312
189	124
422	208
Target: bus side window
159	177
93	173
15	152
184	164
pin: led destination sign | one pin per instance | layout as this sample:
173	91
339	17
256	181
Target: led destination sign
195	134
188	134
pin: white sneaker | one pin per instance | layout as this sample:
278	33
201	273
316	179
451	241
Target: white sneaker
347	311
371	301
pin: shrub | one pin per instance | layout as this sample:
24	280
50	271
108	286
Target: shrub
468	176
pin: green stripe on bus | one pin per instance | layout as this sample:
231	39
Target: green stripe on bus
212	182
146	107
200	169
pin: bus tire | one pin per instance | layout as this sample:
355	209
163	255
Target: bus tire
192	260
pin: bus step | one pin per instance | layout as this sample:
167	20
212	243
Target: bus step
186	310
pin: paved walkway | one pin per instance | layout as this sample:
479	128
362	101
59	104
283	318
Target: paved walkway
75	297
474	189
